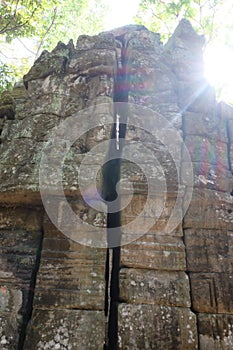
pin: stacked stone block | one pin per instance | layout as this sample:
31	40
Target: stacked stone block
175	285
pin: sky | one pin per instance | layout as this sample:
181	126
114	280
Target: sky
121	13
218	58
219	69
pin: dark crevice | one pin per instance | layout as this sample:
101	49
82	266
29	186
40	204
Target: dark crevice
190	289
111	177
228	147
187	272
29	305
220	115
114	297
107	269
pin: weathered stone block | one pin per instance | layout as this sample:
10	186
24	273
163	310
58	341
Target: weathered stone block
93	63
160	175
75	283
8	332
215	332
66	329
37	128
164	103
140	38
139	286
155	100
196	96
209	250
212	292
230	124
152	213
153	251
77	270
146	80
10	300
64	280
208	125
18	249
47	64
18	253
156	130
231	154
210	209
156	327
183	51
171	111
225	112
78	221
208	176
205	150
21	155
20	218
101	41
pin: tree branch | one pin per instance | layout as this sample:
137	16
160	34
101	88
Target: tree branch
47	31
21	42
4	29
157	16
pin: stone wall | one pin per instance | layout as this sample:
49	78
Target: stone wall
169	284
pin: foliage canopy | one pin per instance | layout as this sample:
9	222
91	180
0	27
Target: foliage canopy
163	15
43	23
47	22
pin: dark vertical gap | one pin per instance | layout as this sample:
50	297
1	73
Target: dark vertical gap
185	245
107	268
29	306
106	301
190	288
111	176
220	114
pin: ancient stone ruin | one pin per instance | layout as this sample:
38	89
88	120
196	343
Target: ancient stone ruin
154	274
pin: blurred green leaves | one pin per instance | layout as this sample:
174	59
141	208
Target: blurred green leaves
46	22
163	15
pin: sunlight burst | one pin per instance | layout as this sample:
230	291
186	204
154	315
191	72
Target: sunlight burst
121	13
219	70
218	58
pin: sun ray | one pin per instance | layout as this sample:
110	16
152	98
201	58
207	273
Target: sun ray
219	70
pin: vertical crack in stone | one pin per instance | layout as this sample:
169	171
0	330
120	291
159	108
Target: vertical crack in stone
111	177
190	288
187	272
223	109
29	306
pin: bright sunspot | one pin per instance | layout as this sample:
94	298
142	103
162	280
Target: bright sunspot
219	70
121	13
218	58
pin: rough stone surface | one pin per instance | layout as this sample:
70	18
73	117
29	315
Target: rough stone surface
215	331
66	329
209	250
156	327
174	270
20	237
154	287
157	252
38	263
77	270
